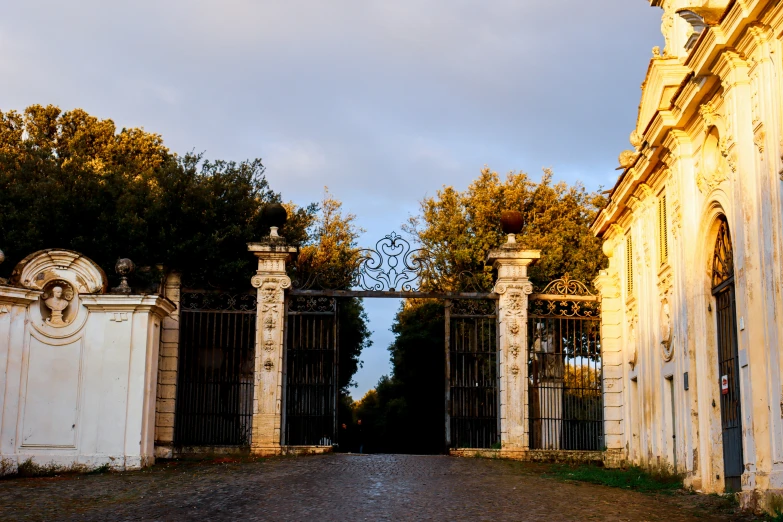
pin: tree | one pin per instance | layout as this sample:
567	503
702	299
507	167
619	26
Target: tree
70	180
459	228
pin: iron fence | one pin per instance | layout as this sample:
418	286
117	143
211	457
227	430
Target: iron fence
473	372
310	415
215	374
565	369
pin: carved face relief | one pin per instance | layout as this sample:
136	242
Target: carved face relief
515	301
269	292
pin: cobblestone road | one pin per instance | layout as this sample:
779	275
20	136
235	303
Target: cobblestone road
339	487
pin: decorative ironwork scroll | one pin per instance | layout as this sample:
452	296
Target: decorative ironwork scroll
566	287
392	266
315	304
203	301
473	308
723	257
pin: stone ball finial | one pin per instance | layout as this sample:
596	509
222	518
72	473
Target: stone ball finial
2	257
275	215
124	267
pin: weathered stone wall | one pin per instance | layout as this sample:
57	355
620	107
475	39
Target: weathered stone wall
707	147
80	367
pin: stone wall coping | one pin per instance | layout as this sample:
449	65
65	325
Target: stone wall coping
155	304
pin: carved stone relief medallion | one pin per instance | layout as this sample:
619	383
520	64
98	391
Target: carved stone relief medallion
666	330
56	302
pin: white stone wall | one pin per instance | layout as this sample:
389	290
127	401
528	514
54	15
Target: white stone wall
709	140
80	367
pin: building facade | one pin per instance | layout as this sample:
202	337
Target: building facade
692	300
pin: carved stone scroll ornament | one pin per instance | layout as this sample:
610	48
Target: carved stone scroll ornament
666	330
57	299
270	326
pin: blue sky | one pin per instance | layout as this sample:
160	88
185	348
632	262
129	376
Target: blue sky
383	101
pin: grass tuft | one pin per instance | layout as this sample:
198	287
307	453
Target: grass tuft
630	478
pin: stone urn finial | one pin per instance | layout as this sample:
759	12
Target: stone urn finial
511	221
123	267
275	215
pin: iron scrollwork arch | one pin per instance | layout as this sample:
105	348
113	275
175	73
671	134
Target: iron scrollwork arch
392	266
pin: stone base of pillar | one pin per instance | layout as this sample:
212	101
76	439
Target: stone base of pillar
273	451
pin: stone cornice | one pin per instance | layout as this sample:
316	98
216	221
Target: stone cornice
18	296
110	303
710	57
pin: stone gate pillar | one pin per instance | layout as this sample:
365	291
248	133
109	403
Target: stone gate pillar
271	281
513	286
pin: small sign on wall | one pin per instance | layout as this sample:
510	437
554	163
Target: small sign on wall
724	384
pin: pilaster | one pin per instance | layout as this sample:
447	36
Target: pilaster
271	281
513	286
168	365
612	359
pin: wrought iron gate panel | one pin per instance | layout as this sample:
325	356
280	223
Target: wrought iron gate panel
215	373
728	358
311	390
565	368
473	373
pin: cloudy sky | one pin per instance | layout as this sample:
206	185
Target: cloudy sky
383	101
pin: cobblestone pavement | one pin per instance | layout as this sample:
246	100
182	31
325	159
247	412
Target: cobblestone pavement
339	487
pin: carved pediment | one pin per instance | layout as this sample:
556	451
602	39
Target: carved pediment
664	77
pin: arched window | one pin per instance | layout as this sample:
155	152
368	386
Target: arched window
723	258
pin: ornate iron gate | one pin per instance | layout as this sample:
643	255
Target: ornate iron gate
472	369
215	377
310	380
728	358
565	371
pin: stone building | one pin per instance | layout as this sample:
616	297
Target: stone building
692	300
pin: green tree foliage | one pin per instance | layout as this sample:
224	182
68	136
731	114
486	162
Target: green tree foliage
70	180
405	413
459	228
331	250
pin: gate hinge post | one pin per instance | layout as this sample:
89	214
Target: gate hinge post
270	281
513	286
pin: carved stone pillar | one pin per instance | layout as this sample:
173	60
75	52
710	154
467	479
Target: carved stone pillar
513	286
271	281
